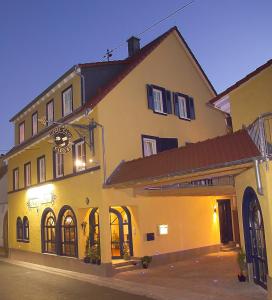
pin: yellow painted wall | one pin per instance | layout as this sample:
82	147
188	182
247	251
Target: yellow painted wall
251	99
41	107
248	179
125	115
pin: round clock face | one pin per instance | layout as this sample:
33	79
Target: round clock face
62	139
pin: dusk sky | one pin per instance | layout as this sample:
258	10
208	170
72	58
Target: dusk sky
40	40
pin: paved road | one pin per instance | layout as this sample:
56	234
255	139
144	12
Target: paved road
19	283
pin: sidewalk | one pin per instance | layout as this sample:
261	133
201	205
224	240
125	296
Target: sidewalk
207	277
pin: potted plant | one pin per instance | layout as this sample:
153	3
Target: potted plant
98	255
241	259
93	254
146	260
126	255
87	248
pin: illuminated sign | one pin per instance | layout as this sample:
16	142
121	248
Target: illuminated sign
163	229
62	139
40	195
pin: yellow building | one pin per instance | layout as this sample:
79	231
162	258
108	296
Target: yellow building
249	101
64	194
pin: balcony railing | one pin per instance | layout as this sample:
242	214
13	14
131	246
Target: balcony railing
261	133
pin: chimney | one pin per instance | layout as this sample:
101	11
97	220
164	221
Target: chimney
133	45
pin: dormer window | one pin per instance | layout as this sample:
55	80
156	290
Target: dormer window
67	101
21	132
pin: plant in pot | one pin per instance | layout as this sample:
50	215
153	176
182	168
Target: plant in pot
93	254
146	260
126	255
87	248
241	259
98	255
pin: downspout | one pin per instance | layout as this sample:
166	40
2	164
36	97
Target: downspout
258	177
79	73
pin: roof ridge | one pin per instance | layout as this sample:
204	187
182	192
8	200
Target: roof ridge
241	81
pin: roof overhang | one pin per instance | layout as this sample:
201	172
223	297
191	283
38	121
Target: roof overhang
223	104
227	169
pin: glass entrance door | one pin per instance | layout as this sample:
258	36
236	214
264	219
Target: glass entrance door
121	237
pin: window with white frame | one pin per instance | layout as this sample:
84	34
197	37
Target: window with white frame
59	164
182	107
27	174
41	169
21	132
50	112
80	156
35	123
149	146
158	102
67	102
15	179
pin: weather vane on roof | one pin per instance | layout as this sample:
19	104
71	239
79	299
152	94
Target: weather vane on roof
108	54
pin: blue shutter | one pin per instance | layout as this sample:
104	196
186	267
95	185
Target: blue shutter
191	108
176	105
164	100
150	99
168	102
166	144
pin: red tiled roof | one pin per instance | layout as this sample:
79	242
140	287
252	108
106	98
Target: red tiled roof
243	80
214	153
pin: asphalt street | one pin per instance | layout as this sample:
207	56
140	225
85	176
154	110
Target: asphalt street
19	283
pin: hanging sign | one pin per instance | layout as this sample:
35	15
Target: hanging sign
62	139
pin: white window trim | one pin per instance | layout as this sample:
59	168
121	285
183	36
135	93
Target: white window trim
182	99
28	174
57	165
21	134
153	143
65	111
42	175
34	124
80	161
157	91
16	179
48	105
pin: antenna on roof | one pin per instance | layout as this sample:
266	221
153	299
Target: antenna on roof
108	54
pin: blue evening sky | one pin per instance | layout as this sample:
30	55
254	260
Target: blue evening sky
40	40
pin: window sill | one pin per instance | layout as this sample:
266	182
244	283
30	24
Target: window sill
23	241
185	119
160	113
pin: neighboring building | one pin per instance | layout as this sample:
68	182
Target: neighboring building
3	207
153	101
249	101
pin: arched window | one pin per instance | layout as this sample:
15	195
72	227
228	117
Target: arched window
94	227
68	232
19	229
48	227
25	229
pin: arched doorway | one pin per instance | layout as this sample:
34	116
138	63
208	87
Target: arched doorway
48	231
121	233
5	233
255	236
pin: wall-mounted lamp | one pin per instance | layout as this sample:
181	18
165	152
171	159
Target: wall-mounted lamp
163	229
215	209
83	226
